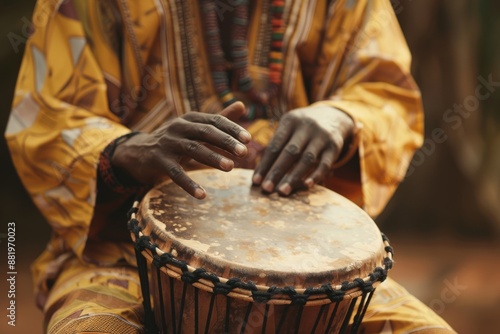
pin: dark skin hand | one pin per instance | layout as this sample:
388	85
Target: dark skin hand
150	157
303	150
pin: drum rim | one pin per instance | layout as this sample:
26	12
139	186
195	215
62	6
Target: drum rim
248	291
347	262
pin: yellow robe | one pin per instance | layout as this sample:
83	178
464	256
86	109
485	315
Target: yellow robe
93	70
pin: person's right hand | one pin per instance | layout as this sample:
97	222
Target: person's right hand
150	157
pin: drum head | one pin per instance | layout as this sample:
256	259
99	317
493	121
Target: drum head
304	240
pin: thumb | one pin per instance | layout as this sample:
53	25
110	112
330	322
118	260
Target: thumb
234	111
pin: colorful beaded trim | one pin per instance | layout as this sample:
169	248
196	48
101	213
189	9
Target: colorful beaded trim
239	54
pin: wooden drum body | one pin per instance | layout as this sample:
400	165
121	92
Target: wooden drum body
244	262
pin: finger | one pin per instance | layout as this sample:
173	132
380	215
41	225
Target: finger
309	159
215	137
324	167
273	150
206	156
221	123
179	177
234	111
287	158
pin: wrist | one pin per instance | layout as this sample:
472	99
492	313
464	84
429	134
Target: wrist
347	126
112	167
351	139
120	152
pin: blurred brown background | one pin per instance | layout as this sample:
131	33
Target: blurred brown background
444	221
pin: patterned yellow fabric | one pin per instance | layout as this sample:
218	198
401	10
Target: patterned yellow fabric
393	310
95	69
103	300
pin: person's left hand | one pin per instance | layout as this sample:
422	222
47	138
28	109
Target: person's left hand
303	150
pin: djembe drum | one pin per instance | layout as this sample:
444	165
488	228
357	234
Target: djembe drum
241	261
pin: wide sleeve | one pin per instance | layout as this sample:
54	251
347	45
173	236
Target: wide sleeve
364	70
60	122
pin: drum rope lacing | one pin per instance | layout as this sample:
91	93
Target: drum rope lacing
249	290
